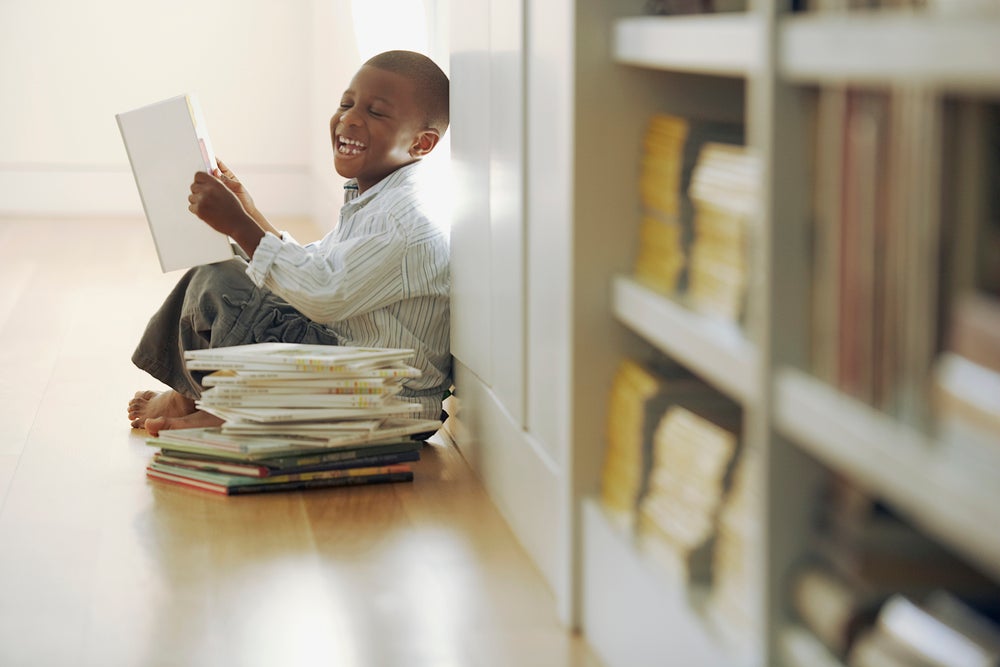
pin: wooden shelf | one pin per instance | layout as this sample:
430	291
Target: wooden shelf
914	474
718	44
633	614
715	350
882	47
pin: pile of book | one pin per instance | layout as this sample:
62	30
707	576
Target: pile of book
660	259
733	603
966	383
671	149
296	417
694	452
725	189
640	394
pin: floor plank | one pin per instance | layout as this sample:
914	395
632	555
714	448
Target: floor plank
98	566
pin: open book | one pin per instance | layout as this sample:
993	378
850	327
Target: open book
166	144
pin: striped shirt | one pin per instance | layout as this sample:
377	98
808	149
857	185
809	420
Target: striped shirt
379	279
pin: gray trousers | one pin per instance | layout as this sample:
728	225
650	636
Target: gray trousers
217	305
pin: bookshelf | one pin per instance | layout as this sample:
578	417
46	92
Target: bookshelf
848	436
804	428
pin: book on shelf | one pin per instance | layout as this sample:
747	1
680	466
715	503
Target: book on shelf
680	7
966	388
725	190
877	297
940	632
861	556
671	147
167	143
694	452
639	395
736	593
636	399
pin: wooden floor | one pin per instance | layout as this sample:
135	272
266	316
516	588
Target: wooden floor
100	567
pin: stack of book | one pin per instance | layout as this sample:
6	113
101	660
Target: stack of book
734	600
941	630
725	189
966	396
671	149
660	259
640	394
295	417
694	452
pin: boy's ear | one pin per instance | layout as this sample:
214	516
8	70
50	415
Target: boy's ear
425	142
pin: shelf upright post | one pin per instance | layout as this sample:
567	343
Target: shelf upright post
780	297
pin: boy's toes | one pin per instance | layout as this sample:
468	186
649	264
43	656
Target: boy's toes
155	425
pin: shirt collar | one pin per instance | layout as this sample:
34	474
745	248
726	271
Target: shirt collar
406	173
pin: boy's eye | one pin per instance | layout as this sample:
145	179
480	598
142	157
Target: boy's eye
375	113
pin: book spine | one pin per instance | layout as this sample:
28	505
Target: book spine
185	481
246	470
360	462
304	485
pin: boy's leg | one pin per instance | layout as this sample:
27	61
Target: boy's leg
217	305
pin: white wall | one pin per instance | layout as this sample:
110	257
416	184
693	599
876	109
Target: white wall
268	74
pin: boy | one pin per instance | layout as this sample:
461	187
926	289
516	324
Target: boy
379	279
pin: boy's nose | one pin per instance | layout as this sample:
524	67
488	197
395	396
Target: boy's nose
349	117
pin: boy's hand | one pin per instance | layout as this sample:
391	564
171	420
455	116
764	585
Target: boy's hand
226	175
229	179
215	203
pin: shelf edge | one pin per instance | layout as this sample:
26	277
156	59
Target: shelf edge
715	350
715	44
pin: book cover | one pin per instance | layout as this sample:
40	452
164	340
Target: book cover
213	440
229	481
387	429
292	415
266	469
282	399
296	485
167	143
293	461
294	356
272	377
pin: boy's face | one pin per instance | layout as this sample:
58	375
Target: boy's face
378	127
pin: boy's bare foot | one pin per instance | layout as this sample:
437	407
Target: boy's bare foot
152	404
197	419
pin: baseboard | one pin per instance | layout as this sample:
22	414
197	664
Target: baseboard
65	191
518	476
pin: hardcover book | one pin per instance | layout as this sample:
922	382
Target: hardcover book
167	143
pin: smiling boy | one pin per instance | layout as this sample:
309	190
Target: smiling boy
379	279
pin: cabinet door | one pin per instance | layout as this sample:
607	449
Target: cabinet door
488	223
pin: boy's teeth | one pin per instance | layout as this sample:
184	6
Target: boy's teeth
350	146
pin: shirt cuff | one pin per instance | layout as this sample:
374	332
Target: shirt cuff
263	257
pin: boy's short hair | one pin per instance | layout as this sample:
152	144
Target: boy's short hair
431	82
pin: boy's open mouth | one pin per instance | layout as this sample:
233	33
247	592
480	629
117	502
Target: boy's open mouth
346	146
